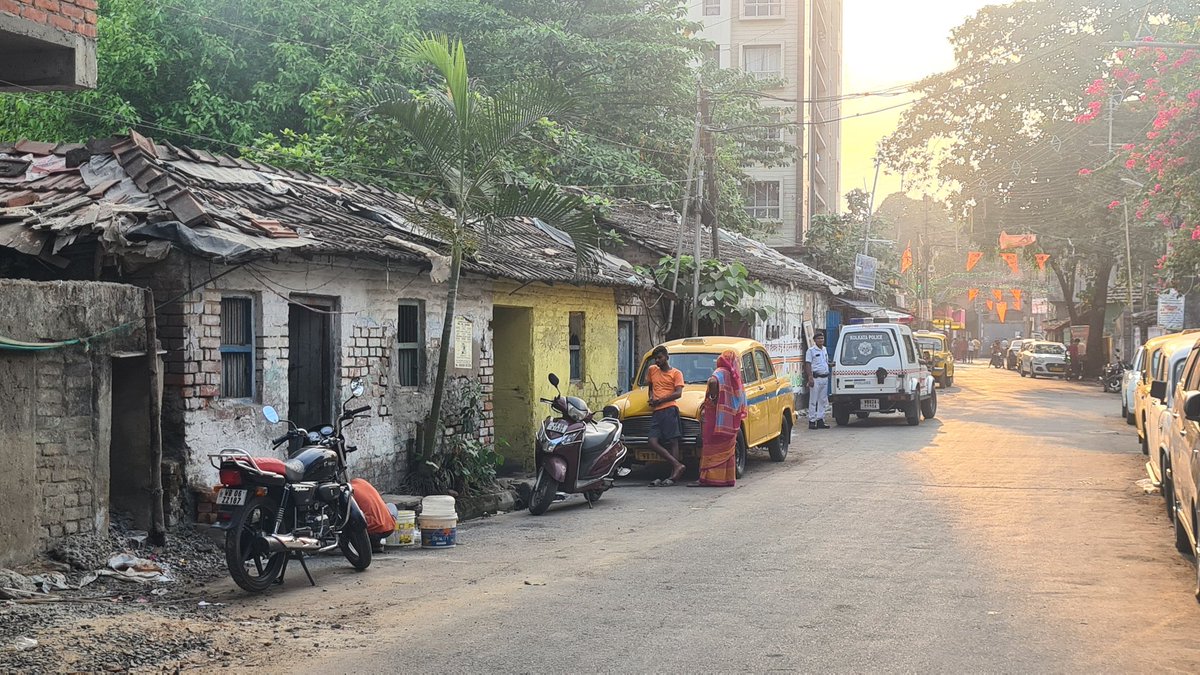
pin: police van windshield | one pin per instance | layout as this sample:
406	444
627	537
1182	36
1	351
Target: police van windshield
861	347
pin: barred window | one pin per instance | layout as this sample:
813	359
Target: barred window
762	200
410	344
576	326
712	7
237	347
762	8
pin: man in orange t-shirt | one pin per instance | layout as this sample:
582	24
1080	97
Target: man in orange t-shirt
666	386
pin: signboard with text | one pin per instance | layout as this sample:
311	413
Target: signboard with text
1170	310
865	268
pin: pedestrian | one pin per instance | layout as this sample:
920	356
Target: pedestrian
816	374
973	349
665	386
1073	358
721	416
960	349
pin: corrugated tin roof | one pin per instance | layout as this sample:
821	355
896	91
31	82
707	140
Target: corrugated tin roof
656	227
125	188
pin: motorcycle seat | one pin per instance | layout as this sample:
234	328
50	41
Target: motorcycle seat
292	470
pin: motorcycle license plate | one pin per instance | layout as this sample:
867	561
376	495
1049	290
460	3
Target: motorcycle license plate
558	426
869	404
229	497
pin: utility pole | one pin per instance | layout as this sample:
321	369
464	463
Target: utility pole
708	208
871	213
696	261
683	211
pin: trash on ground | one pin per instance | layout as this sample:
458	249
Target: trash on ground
1148	486
21	644
129	567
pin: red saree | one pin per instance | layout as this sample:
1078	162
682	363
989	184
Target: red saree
722	419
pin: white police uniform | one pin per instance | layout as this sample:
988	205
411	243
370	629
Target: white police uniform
818	394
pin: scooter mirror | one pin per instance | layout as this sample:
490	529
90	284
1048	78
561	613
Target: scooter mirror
357	387
553	379
271	415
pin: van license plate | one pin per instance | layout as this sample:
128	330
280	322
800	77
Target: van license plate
231	497
869	404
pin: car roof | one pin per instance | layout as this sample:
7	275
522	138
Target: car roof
1156	342
710	343
1178	342
929	333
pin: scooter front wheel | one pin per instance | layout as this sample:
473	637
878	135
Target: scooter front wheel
544	490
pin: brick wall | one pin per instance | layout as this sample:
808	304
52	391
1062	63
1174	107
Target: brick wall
71	16
70	471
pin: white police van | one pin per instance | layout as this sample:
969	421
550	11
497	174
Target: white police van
877	368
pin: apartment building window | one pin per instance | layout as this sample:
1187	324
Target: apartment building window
760	9
774	132
762	200
409	344
237	347
576	327
712	7
763	62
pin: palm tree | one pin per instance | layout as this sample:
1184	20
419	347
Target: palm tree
464	133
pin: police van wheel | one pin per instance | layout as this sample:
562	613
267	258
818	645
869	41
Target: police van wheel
912	412
929	405
841	415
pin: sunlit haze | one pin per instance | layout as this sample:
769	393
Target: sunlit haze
887	44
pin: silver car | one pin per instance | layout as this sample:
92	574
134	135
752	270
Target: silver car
1048	359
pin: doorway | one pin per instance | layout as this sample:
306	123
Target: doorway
513	389
129	442
626	352
310	362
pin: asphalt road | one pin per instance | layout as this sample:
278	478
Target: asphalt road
1008	535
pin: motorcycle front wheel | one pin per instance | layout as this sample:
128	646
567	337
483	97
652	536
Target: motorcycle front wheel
544	489
251	569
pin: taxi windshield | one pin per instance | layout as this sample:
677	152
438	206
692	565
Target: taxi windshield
861	347
929	344
696	367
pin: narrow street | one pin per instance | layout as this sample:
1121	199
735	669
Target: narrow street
1008	535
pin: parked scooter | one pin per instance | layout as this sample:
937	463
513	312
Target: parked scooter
274	511
576	454
1113	373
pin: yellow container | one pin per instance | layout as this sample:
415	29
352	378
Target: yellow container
405	525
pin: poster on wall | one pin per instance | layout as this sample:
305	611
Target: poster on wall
1170	310
463	332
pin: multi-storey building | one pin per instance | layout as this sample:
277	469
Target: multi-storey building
797	43
47	45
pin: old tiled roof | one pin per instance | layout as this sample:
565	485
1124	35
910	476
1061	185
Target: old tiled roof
656	228
137	198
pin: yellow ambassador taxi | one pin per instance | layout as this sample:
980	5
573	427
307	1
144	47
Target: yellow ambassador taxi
941	364
770	400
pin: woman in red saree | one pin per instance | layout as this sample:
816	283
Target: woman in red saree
721	417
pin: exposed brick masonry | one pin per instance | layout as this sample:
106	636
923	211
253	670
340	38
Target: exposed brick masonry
72	16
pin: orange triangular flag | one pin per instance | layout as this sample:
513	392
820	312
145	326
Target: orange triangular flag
1011	259
991	305
1001	310
973	258
1041	260
997	294
972	293
906	259
1016	293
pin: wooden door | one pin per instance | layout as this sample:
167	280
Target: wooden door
310	363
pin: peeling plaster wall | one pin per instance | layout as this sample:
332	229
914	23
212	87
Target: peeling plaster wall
550	351
367	296
783	329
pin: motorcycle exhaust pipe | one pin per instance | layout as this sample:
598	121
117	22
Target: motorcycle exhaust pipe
280	543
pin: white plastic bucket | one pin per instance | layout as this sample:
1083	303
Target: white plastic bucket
438	532
438	506
406	522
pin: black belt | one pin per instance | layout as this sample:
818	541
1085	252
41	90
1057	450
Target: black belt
821	375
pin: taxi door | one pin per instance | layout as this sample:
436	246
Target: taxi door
755	417
773	406
1185	445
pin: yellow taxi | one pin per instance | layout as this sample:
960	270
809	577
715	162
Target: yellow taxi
936	349
770	399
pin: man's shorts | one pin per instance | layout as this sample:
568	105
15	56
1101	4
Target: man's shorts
664	424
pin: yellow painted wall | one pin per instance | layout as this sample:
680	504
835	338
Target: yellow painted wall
549	352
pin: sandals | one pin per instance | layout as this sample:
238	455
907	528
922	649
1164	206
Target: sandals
661	482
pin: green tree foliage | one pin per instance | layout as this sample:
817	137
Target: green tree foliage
723	290
282	83
833	242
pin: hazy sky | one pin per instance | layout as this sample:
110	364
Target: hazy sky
889	43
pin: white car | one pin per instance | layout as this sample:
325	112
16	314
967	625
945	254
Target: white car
1158	406
1129	384
1048	359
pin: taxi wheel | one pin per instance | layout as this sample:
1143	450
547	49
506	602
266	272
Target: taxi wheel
1145	439
739	461
779	447
1182	543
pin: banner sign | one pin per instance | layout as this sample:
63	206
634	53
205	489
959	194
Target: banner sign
1170	310
865	268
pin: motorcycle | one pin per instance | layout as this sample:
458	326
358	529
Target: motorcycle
997	359
1111	378
274	511
574	453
